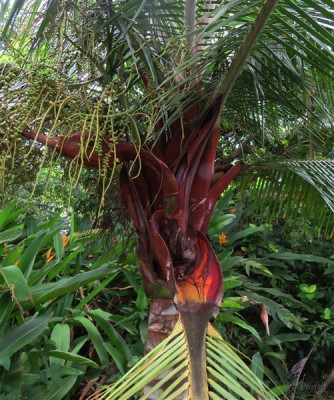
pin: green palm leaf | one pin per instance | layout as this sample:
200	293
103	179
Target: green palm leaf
165	370
293	49
292	190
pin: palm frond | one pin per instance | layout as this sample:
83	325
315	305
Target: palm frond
100	45
165	372
244	51
292	190
13	11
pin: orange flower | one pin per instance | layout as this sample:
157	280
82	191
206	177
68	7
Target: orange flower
222	239
5	244
17	262
49	256
65	240
115	240
233	210
90	255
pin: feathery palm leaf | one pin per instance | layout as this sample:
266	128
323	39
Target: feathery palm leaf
96	81
131	39
228	375
299	189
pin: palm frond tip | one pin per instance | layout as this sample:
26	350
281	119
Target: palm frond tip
293	190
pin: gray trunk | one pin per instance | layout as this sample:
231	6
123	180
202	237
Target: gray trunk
162	319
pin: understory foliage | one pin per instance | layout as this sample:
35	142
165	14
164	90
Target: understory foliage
69	312
279	288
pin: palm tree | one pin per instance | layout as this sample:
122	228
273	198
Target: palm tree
152	85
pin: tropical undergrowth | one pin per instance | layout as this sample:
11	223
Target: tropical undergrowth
74	316
72	311
278	294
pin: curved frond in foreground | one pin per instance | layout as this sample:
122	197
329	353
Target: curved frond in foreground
165	370
293	189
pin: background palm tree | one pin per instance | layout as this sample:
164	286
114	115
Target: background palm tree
147	83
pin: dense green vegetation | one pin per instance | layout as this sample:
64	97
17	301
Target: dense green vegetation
74	315
59	288
178	106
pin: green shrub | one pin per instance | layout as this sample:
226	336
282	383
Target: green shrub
63	318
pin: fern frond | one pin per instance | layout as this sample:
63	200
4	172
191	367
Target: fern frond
165	372
295	191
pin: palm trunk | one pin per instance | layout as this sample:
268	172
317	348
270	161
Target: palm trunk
162	319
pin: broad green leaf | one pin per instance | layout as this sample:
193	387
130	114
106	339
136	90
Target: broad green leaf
308	289
62	264
143	330
74	223
28	257
252	263
58	390
120	321
142	301
13	256
95	337
5	214
279	356
229	262
17	283
11	234
48	291
6	307
244	233
301	257
276	310
132	278
231	304
291	337
116	356
257	365
31	225
44	226
217	225
281	295
48	239
94	292
240	322
113	335
231	283
70	356
23	335
327	313
5	362
58	245
61	337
